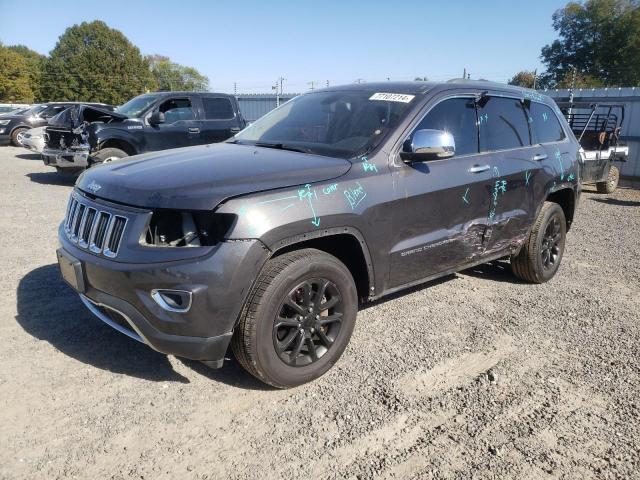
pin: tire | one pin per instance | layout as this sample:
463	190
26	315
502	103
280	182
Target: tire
281	284
540	256
107	155
16	136
611	183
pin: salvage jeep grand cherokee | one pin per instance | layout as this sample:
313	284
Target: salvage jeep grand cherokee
267	243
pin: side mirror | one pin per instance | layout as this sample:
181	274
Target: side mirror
156	118
428	145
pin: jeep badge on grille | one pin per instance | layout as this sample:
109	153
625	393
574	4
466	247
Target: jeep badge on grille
93	186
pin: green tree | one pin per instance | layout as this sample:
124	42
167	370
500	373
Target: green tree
524	78
92	62
173	76
35	64
15	83
600	39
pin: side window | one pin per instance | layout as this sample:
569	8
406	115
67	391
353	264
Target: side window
177	109
52	111
458	117
503	125
217	108
546	127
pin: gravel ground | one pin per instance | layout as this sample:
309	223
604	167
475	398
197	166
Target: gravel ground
474	376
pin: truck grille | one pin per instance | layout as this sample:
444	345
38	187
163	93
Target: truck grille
92	229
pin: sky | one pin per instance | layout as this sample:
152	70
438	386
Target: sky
253	43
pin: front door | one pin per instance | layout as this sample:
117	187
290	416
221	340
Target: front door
180	127
443	218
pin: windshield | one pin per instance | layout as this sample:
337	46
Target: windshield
136	106
33	110
343	124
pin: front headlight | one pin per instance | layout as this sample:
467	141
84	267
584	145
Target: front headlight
4	122
170	228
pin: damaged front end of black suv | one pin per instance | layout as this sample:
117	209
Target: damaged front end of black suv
71	135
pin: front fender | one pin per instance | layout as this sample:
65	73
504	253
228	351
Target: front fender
100	137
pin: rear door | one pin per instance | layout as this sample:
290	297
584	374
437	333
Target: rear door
442	220
505	134
218	119
180	128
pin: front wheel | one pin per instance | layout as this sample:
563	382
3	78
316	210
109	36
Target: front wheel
107	155
611	182
298	319
17	135
540	256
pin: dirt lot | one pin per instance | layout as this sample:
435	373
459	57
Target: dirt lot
473	376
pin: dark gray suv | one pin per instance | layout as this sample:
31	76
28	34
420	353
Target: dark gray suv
269	242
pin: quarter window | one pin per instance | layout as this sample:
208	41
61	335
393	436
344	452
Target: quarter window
546	127
458	117
503	125
217	108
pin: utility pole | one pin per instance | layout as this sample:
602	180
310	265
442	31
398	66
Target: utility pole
358	80
573	85
535	78
388	79
235	88
464	73
278	88
327	83
312	83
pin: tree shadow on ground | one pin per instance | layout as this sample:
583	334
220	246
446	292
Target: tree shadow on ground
617	202
52	178
28	156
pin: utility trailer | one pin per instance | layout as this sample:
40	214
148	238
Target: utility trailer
597	127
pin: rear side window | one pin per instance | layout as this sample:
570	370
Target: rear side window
458	117
503	125
217	108
546	127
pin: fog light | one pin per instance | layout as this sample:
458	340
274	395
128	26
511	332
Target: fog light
1	131
172	300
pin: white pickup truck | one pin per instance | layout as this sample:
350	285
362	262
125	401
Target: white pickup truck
597	127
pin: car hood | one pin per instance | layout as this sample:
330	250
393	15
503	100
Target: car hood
200	178
76	115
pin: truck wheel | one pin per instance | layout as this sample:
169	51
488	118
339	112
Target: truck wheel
16	136
611	183
298	318
540	256
107	155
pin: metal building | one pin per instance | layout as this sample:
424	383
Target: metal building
253	106
630	134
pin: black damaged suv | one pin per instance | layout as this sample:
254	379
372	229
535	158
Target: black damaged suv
86	135
268	242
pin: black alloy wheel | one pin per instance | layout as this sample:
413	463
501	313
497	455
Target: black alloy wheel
308	322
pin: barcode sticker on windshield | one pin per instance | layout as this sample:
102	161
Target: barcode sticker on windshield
392	97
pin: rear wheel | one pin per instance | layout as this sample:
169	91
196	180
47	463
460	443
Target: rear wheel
611	183
107	155
17	135
298	319
540	256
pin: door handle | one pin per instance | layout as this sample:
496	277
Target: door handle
539	156
194	130
234	130
479	168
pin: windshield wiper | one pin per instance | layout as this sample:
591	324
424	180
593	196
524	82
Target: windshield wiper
282	146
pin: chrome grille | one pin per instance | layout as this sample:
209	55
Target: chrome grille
96	230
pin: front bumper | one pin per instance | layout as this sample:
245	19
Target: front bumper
65	158
120	293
